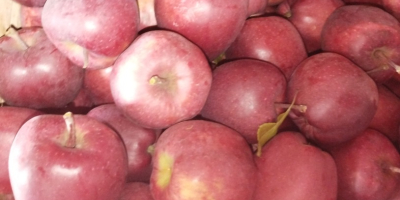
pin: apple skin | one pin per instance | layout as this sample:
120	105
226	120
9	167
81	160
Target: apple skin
30	79
367	35
291	168
363	166
257	7
31	3
12	118
387	117
31	16
189	17
161	79
137	140
393	7
104	29
43	166
97	84
243	95
268	39
309	16
199	159
136	191
341	99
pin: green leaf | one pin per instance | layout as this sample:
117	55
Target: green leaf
268	130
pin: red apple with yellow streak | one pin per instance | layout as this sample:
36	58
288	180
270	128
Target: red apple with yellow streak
199	159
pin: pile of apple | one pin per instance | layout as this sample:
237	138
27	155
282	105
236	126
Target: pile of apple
201	99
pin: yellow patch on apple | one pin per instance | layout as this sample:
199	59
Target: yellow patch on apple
164	173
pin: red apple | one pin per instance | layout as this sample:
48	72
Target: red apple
243	95
198	159
31	3
393	7
137	140
290	168
67	157
31	16
273	39
136	191
256	7
309	16
368	36
34	73
161	79
101	29
97	85
211	24
11	119
341	99
368	167
387	117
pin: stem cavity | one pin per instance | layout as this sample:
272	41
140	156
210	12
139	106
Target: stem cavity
380	55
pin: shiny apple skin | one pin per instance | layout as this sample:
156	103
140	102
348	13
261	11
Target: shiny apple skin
42	166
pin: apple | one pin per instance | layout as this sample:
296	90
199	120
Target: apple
393	7
136	191
290	168
368	167
97	85
12	118
387	117
31	3
211	24
138	140
256	7
368	36
102	29
243	95
67	157
161	79
199	159
269	38
341	99
31	16
34	73
309	16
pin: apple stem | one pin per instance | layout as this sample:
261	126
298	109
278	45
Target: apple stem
380	54
69	121
300	108
394	169
86	58
2	102
156	80
381	68
12	33
150	149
